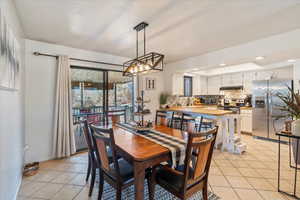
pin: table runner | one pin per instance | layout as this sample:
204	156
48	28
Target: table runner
174	144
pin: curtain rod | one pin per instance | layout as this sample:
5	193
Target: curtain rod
77	59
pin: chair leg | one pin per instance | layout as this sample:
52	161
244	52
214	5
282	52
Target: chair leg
88	170
204	191
118	193
93	180
152	183
151	189
101	184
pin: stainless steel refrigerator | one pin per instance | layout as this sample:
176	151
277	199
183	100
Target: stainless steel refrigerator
265	105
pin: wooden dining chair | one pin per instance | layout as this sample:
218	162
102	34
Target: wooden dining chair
190	178
92	163
119	174
186	119
163	118
176	120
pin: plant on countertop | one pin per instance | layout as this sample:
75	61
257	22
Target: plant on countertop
292	107
163	98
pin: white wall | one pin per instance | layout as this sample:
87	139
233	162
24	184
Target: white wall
297	76
11	120
40	92
152	95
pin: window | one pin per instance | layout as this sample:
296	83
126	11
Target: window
188	86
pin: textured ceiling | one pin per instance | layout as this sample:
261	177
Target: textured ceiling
178	28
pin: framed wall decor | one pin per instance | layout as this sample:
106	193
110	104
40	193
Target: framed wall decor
9	57
150	83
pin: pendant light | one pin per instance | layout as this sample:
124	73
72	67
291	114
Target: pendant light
146	63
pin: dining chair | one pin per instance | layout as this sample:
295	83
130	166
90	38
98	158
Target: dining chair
119	174
92	164
186	119
176	120
160	116
205	124
190	178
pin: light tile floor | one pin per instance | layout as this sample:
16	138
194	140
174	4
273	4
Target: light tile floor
250	176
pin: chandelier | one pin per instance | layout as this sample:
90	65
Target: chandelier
149	62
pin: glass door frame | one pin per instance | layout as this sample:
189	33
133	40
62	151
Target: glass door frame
105	103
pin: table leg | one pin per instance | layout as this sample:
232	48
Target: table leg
139	177
296	169
279	164
238	126
225	134
230	147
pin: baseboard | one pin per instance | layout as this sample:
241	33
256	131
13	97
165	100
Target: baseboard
246	133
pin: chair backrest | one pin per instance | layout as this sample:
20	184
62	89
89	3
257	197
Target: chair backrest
200	122
160	115
200	146
176	120
105	141
164	121
87	135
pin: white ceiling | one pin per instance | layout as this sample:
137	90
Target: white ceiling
178	28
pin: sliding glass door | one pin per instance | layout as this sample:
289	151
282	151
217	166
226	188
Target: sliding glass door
120	96
100	96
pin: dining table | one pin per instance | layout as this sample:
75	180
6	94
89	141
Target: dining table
143	153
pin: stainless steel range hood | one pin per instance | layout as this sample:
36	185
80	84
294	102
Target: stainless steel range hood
239	87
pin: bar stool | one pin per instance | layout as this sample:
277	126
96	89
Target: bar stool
160	117
176	120
186	119
203	123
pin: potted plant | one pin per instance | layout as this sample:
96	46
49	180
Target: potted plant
163	98
291	106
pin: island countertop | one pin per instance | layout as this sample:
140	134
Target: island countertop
206	110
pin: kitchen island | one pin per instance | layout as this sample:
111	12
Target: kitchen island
225	119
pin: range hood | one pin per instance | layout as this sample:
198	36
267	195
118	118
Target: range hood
239	87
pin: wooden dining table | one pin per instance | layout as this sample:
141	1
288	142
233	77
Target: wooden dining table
143	153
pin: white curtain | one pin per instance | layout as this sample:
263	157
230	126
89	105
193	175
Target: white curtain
64	141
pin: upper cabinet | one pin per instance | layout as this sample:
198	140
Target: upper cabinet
197	85
248	77
213	85
177	83
203	85
264	75
232	79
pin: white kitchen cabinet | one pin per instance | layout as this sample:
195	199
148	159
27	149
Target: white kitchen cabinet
203	85
246	121
235	79
177	86
247	82
226	80
213	85
264	75
196	85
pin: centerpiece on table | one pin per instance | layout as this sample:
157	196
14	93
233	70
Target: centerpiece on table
142	125
291	106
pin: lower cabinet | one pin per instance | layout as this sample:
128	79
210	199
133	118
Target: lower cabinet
246	121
